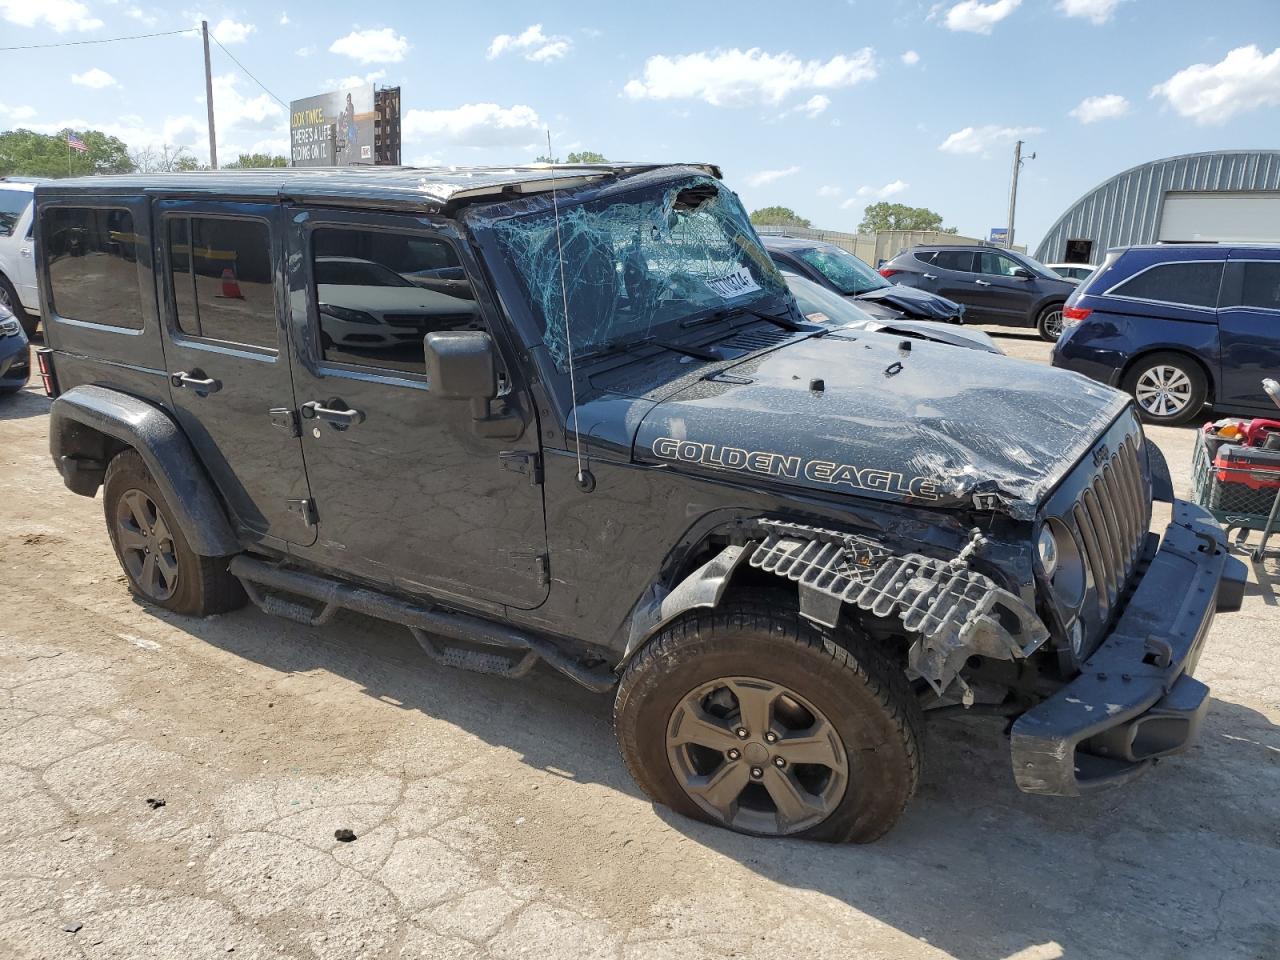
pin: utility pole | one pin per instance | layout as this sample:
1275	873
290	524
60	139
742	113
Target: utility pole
208	96
1013	189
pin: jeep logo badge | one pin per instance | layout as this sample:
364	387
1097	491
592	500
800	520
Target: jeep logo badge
1101	455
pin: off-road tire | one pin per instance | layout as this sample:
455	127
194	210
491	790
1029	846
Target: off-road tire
1045	322
9	296
204	584
1199	387
860	691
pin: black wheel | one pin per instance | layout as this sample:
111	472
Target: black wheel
749	717
160	565
9	298
1049	323
1169	388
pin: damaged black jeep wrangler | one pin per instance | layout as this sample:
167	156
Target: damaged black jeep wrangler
573	415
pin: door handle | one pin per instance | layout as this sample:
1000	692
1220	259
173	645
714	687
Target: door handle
930	276
333	412
24	252
197	381
982	283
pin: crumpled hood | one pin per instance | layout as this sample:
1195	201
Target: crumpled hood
932	425
913	302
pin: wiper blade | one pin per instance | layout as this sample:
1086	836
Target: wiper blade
781	320
700	353
724	313
624	346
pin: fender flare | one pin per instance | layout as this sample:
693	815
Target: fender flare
88	425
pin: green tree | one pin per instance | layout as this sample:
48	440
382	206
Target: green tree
778	217
898	216
587	156
165	160
248	161
30	154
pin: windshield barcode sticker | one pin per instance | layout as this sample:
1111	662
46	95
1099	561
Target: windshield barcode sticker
734	284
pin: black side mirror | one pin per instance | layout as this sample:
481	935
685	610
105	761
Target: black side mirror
1022	273
461	366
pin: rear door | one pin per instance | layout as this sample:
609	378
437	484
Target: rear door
228	362
1249	327
949	273
998	293
408	490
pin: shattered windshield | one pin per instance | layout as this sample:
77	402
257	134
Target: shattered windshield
846	272
636	262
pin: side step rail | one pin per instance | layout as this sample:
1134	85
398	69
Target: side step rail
426	624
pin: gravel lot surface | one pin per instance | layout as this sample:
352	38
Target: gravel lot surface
495	819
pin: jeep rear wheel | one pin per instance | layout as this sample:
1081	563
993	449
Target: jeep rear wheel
153	552
749	717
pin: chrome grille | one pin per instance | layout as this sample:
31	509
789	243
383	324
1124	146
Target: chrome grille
1112	517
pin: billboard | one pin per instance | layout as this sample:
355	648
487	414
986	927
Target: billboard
333	129
1000	235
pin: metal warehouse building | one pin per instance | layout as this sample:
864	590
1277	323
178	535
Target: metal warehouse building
1228	196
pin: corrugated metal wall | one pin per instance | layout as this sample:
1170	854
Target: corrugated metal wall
1126	209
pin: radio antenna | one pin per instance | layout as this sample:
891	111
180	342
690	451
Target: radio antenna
585	480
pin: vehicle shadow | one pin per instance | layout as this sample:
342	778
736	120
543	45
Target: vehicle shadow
975	869
23	405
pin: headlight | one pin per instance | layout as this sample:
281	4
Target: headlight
9	327
1061	564
347	314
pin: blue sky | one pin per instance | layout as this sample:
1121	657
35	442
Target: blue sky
823	106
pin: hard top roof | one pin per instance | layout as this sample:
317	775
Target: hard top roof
430	186
782	242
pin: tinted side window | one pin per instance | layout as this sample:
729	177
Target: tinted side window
925	256
1195	284
91	259
954	260
13	203
221	275
1253	283
997	265
379	294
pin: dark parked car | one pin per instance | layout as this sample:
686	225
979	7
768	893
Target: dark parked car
839	270
823	305
623	452
995	286
15	364
1179	326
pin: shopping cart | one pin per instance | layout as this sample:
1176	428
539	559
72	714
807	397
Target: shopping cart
1239	483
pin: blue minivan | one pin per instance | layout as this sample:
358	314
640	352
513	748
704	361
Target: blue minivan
1178	326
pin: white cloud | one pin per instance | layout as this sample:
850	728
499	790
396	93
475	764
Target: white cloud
532	42
137	13
60	15
974	16
730	78
474	125
1107	107
17	114
982	139
910	58
234	109
182	130
284	19
304	51
230	31
372	46
891	189
1245	79
93	78
829	191
355	80
764	177
815	105
1098	11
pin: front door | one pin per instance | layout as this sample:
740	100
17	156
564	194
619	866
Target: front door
228	362
408	492
950	274
998	293
1249	328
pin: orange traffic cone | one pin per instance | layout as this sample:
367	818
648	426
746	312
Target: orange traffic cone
230	286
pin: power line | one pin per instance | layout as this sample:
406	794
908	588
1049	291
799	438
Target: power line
81	43
249	75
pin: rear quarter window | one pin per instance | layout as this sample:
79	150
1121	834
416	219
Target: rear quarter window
91	257
13	203
1190	283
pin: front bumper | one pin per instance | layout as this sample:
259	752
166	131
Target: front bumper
1135	699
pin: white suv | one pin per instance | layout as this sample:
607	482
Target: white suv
17	252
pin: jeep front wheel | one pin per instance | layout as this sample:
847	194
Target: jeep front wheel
749	717
153	552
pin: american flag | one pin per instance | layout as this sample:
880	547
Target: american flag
75	143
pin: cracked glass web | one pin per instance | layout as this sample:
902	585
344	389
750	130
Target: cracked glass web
631	264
